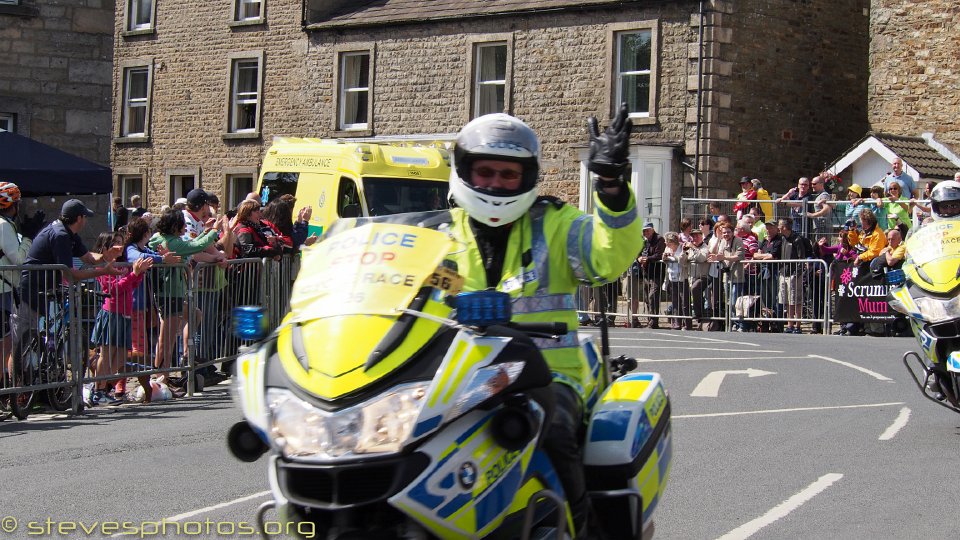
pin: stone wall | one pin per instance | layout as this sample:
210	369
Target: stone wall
189	51
789	86
915	68
55	72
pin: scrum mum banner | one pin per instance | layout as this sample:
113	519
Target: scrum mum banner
859	295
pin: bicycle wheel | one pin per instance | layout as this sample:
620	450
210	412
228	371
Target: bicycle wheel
26	361
56	370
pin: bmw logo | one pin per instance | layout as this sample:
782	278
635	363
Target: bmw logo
467	475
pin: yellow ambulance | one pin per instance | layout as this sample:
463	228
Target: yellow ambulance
351	179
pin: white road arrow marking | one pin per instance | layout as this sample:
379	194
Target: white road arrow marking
710	385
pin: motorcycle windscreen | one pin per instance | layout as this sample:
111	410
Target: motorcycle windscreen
935	249
375	269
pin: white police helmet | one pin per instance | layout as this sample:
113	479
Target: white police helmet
498	137
945	200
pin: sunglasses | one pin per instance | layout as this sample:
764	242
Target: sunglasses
490	172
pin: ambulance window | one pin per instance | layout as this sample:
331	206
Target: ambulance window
276	184
348	199
394	195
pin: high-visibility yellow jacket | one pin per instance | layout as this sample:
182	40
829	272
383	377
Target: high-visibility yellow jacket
567	248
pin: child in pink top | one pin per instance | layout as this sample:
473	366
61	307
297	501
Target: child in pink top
112	328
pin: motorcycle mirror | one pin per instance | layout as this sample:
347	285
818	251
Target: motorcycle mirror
250	323
244	443
483	308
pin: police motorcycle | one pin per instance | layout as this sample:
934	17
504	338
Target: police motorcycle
392	405
926	290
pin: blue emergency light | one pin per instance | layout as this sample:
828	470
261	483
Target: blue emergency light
483	308
250	323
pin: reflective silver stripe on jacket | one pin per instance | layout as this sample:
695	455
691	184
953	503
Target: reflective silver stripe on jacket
580	248
541	252
568	340
539	304
617	222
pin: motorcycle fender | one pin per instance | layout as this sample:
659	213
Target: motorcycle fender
471	483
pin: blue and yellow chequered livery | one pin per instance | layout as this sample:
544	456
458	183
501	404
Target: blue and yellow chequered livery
473	484
629	442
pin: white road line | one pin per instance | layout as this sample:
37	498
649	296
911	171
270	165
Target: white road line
688	335
873	374
797	409
727	358
781	510
897	424
185	515
711	349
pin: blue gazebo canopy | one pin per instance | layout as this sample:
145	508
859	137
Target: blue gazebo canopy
39	169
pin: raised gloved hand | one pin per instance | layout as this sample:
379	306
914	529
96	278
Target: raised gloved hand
610	151
33	225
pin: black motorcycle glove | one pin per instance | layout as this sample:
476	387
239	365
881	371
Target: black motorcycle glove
610	151
33	225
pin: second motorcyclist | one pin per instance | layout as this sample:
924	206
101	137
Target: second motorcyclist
540	250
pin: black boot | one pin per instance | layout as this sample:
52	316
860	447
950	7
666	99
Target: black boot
579	511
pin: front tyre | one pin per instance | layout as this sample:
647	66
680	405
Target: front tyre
26	362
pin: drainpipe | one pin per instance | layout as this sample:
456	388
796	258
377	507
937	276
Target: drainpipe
696	152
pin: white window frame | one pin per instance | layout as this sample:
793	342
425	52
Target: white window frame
615	33
479	83
344	90
633	73
236	99
128	103
8	121
131	27
239	6
240	99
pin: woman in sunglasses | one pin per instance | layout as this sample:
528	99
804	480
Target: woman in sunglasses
898	207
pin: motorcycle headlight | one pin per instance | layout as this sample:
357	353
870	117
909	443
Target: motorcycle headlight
935	310
381	425
486	382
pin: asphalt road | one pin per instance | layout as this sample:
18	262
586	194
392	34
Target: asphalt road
828	439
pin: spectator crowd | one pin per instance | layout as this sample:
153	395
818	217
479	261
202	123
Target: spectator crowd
768	258
136	281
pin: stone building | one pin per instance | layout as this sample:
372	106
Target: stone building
201	89
55	70
915	68
56	63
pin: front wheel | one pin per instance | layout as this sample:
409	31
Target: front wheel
26	363
57	370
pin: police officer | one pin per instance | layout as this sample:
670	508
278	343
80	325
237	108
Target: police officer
539	250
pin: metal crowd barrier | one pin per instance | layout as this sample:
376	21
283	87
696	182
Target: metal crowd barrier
179	326
714	302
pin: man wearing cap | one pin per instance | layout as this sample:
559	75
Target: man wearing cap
58	243
653	271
